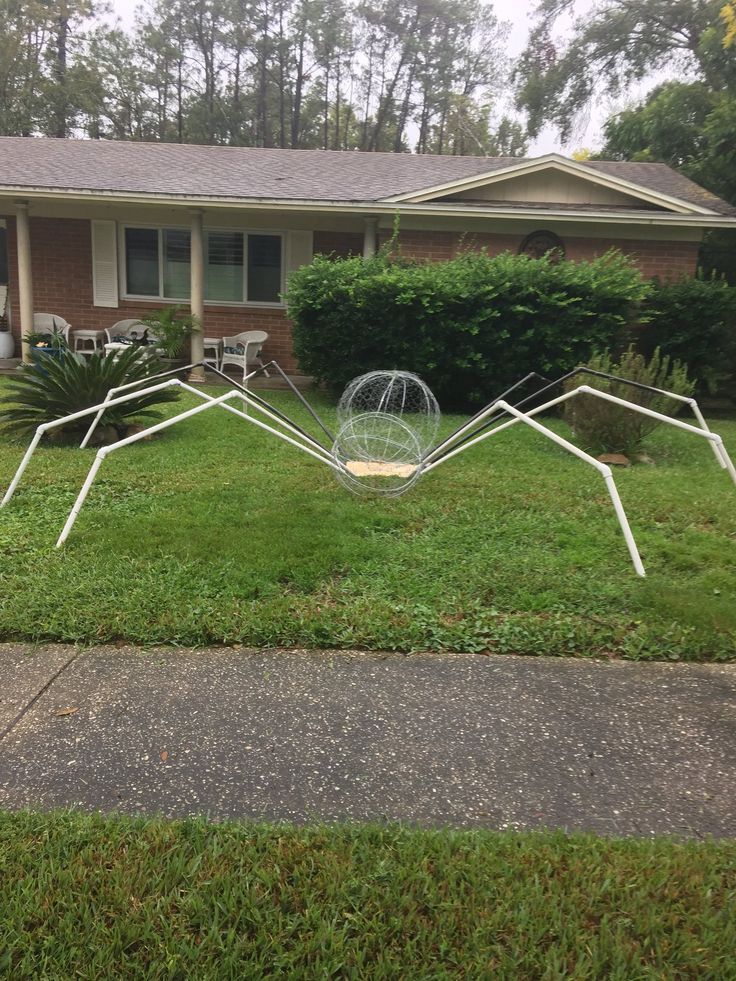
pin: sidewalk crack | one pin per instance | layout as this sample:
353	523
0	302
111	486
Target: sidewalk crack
42	691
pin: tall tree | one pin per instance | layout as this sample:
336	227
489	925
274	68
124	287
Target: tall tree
617	43
334	74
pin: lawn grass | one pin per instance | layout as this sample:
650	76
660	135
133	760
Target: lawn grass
90	897
217	533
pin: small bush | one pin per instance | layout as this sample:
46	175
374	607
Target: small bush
694	321
469	327
607	428
61	386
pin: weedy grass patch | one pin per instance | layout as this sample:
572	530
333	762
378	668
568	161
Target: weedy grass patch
215	532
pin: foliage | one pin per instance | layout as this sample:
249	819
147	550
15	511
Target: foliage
288	73
54	340
40	45
717	256
685	125
175	899
469	327
612	46
171	328
694	321
728	16
606	428
512	547
68	384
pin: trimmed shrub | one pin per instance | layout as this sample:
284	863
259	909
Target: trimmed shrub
469	327
694	320
607	428
60	387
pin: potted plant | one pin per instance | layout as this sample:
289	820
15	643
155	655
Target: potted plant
7	344
45	345
170	329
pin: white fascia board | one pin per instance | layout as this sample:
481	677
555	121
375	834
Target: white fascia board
557	162
454	209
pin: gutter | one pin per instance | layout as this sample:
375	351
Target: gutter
368	208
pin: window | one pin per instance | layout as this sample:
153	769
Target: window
177	273
264	268
224	273
239	266
141	261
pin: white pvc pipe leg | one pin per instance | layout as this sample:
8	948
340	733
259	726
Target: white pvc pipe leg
46	426
715	440
602	468
703	430
210	402
704	425
123	388
23	464
624	522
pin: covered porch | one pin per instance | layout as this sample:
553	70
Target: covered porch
97	264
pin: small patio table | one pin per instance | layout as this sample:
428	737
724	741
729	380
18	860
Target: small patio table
83	338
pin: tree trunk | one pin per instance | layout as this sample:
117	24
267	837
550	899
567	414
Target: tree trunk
62	37
296	114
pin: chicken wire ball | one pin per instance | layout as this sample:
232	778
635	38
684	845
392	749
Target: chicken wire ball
397	393
379	455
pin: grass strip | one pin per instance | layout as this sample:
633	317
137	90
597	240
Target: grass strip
93	897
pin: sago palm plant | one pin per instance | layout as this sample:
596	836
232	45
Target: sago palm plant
60	387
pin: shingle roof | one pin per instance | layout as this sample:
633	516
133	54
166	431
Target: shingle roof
251	173
659	177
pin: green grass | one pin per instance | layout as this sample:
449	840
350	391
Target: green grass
90	897
217	533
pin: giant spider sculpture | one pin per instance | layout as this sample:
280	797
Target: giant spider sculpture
387	428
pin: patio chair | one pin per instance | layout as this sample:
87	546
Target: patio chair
244	349
125	329
51	323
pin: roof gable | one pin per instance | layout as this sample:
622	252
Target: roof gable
553	179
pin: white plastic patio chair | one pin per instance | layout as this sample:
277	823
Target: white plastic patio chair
244	350
51	323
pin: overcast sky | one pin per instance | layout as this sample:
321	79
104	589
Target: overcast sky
518	13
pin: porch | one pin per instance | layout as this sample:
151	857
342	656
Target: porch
106	264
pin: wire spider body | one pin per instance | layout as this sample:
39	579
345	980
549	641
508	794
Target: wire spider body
386	440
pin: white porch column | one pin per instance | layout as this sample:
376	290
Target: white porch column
25	276
197	291
369	237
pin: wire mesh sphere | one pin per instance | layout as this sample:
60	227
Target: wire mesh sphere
379	455
398	393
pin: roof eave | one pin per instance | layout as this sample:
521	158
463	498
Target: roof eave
368	208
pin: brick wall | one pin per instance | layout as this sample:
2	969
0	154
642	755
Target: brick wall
341	244
62	274
61	256
667	260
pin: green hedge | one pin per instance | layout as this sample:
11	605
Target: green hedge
469	327
694	321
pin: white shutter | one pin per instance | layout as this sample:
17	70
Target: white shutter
104	264
299	251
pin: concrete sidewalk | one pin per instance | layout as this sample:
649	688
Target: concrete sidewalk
615	748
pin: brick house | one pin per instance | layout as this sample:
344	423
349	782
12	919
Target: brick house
101	231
